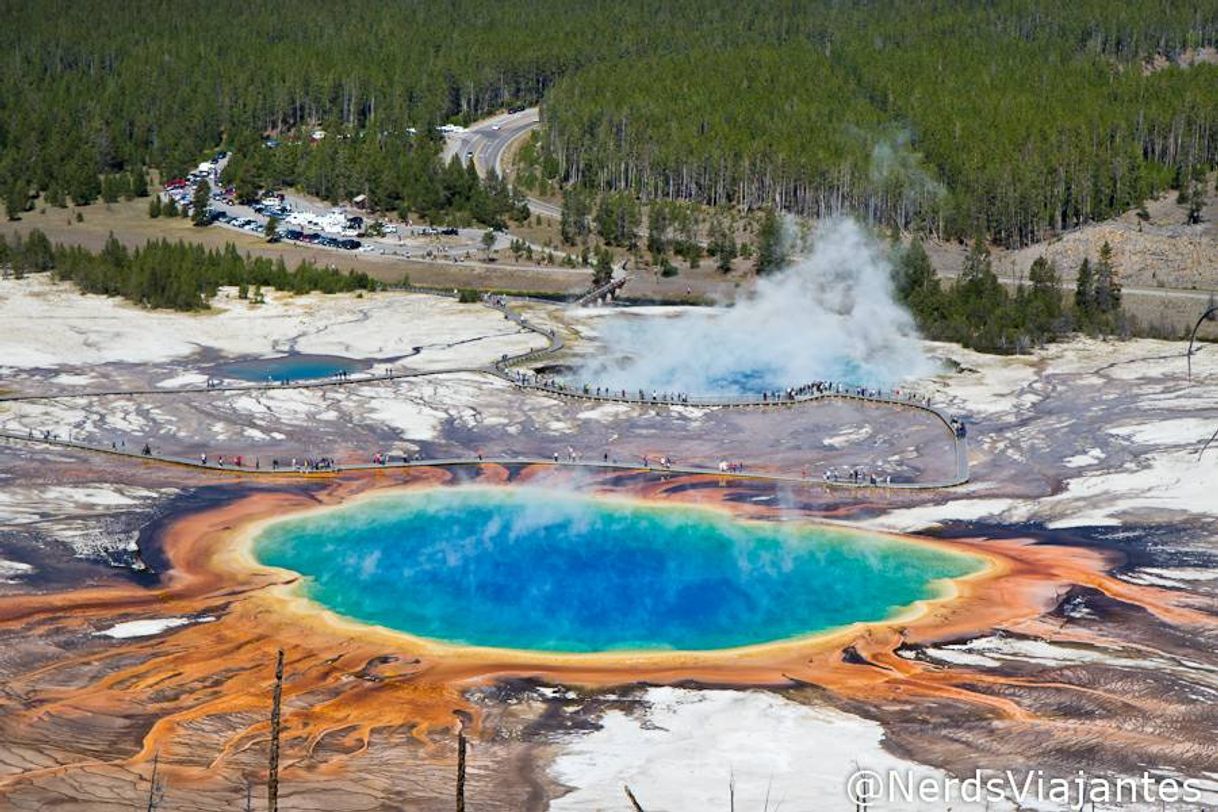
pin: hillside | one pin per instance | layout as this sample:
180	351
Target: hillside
1018	118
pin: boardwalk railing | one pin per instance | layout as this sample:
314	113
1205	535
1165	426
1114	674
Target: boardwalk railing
503	369
440	462
604	290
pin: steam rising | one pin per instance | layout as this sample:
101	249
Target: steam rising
830	315
894	162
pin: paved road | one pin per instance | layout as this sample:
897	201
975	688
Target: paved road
486	142
1068	286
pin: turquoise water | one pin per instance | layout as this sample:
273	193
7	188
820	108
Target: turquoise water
300	367
753	380
534	569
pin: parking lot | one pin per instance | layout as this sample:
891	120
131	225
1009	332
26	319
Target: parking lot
315	223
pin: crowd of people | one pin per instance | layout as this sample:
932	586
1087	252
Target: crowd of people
854	476
791	394
298	465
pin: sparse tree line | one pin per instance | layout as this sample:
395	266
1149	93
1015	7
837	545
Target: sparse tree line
978	311
666	229
176	276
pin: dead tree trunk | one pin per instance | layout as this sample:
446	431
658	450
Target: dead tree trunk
460	770
152	789
272	780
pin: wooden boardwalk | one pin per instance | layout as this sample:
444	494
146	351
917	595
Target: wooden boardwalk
503	369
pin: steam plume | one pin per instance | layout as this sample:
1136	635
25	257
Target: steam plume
830	315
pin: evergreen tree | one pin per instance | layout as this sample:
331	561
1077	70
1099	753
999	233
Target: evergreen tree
56	196
981	299
617	219
978	264
913	271
726	253
721	244
1107	284
154	207
686	222
1196	202
17	198
1045	300
770	256
1084	294
573	223
603	274
183	276
920	288
37	252
199	203
115	254
84	186
659	223
110	189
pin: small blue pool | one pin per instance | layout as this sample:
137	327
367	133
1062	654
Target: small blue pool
295	367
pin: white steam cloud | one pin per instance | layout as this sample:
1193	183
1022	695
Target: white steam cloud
830	315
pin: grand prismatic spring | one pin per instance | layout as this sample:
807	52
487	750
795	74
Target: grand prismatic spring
544	570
